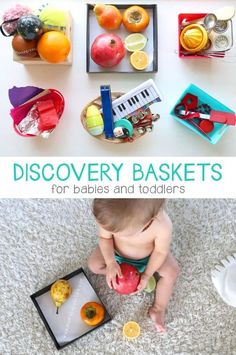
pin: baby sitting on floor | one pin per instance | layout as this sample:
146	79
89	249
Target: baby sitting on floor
138	232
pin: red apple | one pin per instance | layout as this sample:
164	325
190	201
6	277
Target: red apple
129	281
107	50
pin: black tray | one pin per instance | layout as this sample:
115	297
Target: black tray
49	316
93	30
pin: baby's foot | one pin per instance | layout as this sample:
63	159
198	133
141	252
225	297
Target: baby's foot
158	317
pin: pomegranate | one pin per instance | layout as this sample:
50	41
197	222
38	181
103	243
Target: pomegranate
107	50
129	281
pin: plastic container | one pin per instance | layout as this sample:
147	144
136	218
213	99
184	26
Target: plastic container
203	98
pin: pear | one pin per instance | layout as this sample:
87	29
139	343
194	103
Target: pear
60	291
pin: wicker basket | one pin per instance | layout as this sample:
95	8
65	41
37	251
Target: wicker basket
102	137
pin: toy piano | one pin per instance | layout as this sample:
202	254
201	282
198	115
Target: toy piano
136	101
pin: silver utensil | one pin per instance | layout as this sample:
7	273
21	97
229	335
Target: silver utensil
209	22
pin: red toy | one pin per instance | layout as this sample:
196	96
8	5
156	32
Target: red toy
129	281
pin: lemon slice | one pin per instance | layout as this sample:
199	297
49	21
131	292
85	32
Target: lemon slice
151	285
131	330
139	60
135	42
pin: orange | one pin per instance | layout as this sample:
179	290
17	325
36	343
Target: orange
131	330
92	313
139	60
54	47
136	19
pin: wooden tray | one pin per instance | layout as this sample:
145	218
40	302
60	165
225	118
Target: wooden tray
38	60
102	137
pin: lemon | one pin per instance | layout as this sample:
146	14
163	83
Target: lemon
131	330
135	42
151	285
139	60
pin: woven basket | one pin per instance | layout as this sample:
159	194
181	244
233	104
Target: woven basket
102	137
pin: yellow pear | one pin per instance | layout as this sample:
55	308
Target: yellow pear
60	291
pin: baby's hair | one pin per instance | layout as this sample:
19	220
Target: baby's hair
115	214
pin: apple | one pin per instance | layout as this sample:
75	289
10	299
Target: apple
129	281
107	50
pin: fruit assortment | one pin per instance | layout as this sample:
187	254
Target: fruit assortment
37	33
108	49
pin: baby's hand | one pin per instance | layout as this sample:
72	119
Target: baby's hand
112	271
142	283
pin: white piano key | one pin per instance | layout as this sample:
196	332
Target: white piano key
141	99
154	93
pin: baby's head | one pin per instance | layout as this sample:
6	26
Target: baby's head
126	215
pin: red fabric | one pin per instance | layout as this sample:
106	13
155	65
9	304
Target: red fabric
48	117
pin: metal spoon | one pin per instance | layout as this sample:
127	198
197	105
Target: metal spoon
209	22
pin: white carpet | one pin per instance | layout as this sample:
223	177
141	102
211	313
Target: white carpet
42	240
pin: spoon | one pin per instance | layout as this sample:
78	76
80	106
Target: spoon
209	22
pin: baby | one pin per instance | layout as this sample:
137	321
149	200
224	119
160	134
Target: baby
138	232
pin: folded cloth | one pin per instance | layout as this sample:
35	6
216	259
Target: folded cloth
140	264
48	117
19	95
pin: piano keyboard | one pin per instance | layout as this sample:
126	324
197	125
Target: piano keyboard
135	100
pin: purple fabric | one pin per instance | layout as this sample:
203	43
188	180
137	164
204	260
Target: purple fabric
18	96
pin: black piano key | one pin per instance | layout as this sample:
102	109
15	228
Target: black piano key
123	106
113	112
143	95
119	107
136	98
130	103
146	92
133	100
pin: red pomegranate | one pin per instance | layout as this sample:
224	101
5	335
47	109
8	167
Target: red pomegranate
129	281
107	50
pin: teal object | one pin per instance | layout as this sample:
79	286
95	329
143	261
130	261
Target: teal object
203	98
140	264
124	123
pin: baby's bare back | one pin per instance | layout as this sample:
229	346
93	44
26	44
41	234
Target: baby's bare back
140	244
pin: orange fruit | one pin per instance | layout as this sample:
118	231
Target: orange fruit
139	60
136	19
131	330
54	47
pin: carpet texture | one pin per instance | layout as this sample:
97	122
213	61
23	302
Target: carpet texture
42	240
